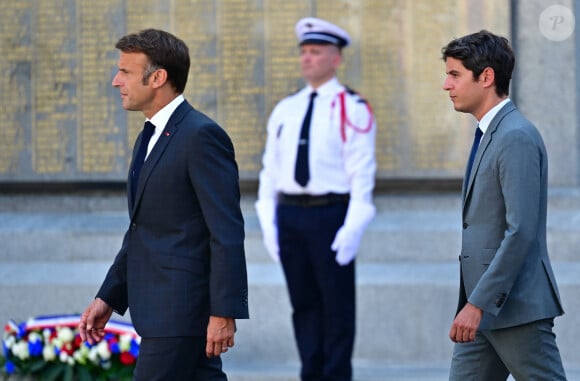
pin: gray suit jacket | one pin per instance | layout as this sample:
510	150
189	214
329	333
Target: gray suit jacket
505	268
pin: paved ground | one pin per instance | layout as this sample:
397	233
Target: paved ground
55	251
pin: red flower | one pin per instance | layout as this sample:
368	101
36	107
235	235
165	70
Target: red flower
127	358
77	341
68	349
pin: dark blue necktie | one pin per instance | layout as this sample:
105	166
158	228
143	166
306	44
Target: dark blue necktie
148	130
476	140
302	172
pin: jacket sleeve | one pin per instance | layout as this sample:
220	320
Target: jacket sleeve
113	291
360	165
214	175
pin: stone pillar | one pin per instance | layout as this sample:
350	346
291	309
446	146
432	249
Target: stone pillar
546	84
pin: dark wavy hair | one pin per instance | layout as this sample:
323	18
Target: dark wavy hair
163	50
484	49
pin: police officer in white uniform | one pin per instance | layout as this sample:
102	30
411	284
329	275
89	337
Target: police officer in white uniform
315	200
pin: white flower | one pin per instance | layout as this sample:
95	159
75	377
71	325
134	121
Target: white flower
84	349
46	333
48	353
93	355
80	357
66	334
57	342
125	342
63	356
9	342
34	336
20	350
103	350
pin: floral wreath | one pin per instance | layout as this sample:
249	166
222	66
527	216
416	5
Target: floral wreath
50	348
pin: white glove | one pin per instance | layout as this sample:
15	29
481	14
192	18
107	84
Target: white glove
266	211
348	237
346	245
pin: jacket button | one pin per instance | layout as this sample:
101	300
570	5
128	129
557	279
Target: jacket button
500	300
465	225
133	226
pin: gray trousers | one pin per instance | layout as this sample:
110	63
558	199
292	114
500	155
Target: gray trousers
528	352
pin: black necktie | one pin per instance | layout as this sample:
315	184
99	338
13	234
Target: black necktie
148	130
476	140
302	173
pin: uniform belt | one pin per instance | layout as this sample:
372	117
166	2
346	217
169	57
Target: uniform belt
306	200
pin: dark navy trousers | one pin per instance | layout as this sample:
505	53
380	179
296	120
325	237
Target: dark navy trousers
176	359
322	293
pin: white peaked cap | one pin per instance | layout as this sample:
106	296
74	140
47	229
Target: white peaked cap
312	30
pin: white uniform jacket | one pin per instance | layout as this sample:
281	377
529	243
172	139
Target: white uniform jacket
341	155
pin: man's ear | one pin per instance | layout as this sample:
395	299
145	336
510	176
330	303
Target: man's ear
159	78
487	76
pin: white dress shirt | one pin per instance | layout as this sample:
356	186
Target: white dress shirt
488	117
160	120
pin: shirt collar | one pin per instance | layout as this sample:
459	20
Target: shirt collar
162	116
330	87
488	117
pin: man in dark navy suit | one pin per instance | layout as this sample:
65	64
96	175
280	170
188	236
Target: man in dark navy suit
181	269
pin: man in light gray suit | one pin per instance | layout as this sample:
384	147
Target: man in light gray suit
508	294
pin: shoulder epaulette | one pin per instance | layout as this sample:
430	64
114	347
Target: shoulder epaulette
352	91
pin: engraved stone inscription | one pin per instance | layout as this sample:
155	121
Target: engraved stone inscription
62	121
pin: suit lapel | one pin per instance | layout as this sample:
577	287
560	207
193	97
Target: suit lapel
158	150
485	142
